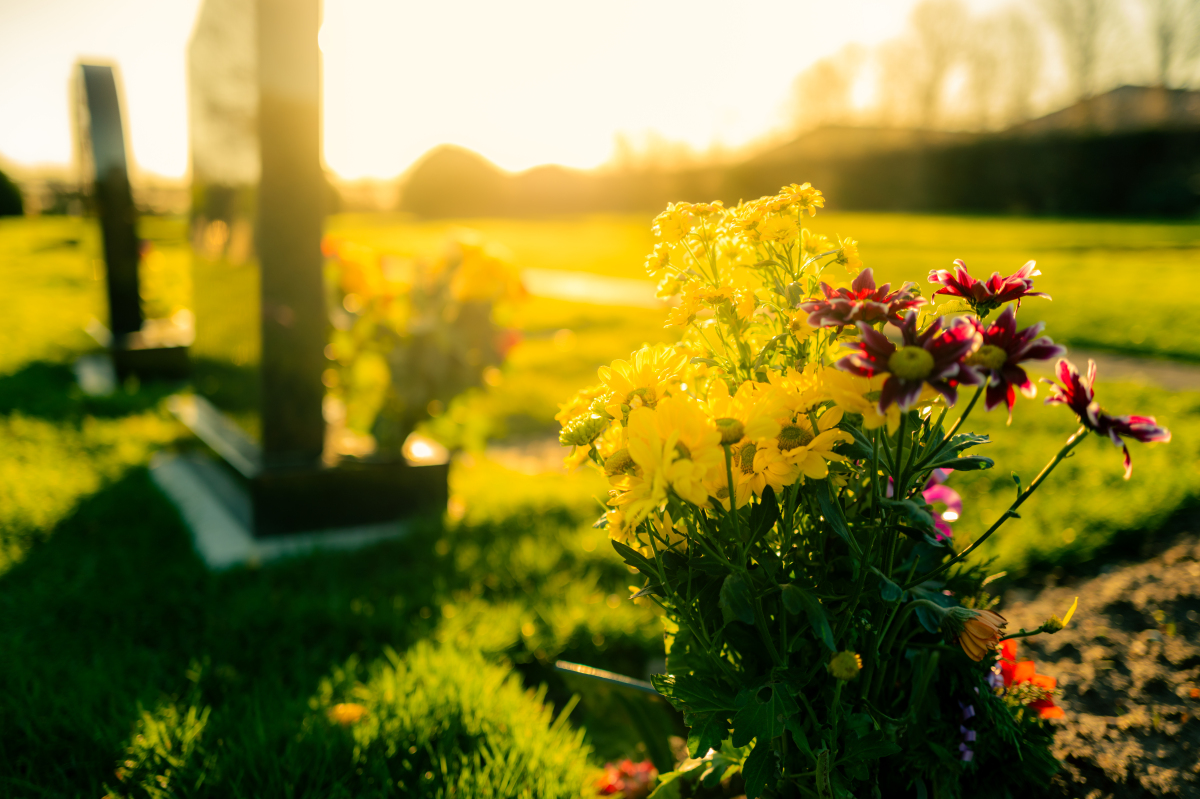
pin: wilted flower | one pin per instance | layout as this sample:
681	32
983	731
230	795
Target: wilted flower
1000	354
934	356
862	302
977	631
1077	393
986	296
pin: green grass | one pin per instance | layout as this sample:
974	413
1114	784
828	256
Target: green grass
111	628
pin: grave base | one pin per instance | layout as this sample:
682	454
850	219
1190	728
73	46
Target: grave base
208	500
273	500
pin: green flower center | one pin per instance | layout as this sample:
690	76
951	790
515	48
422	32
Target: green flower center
619	462
731	430
682	450
746	458
911	363
989	357
792	436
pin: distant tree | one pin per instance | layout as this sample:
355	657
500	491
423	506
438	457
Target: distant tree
822	94
1081	26
1022	64
10	198
985	59
898	87
1174	37
939	28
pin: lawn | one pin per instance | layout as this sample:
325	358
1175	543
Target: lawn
104	609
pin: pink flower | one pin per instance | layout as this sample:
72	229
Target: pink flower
862	302
934	356
985	296
935	493
1077	394
1003	349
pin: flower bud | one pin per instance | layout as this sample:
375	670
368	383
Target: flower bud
845	665
732	431
1052	624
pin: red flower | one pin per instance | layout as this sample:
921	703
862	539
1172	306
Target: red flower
934	356
985	296
1002	350
1077	394
1016	673
862	302
630	779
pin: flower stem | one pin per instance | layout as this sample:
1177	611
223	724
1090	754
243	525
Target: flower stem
1024	495
970	406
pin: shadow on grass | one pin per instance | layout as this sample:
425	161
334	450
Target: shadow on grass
48	390
114	610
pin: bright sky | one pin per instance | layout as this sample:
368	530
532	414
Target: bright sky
523	82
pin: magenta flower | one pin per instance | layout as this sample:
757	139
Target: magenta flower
1077	394
936	493
1003	349
862	302
986	296
934	356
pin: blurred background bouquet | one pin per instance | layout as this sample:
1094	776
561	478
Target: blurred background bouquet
410	334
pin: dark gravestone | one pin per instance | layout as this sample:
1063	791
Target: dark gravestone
262	322
148	351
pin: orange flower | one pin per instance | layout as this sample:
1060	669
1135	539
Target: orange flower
981	633
1016	672
346	713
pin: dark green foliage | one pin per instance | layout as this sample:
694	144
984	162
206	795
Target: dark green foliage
11	203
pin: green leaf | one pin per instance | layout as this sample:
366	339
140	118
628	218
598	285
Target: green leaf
763	715
706	732
759	769
966	441
796	599
796	728
636	559
887	589
735	600
832	512
872	746
915	512
695	693
764	515
966	464
668	786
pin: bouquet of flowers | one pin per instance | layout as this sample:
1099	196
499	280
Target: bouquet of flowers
411	334
779	481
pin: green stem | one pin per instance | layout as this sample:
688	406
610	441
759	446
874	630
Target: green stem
958	422
1024	495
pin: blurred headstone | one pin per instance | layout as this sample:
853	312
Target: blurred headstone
259	201
147	348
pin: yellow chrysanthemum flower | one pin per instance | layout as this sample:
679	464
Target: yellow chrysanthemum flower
642	382
803	197
848	257
860	395
782	229
754	407
675	222
810	452
675	445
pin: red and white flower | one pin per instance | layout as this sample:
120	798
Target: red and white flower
935	356
1078	394
862	302
999	357
985	296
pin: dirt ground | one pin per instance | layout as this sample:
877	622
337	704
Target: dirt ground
1128	670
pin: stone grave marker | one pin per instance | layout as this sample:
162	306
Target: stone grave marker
155	348
259	201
